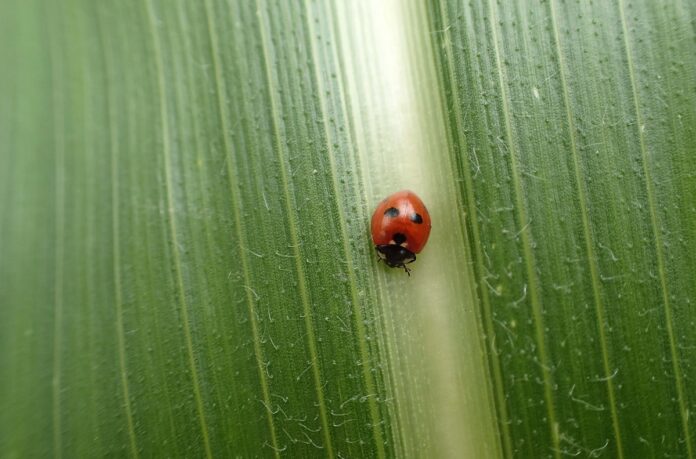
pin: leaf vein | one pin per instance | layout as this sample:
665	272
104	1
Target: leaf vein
650	192
221	90
504	421
173	230
587	234
526	244
369	383
116	250
294	240
59	254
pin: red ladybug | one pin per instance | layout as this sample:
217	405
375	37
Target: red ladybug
400	229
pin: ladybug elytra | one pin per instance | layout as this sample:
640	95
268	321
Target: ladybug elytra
400	228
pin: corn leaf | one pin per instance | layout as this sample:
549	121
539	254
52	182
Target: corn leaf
185	260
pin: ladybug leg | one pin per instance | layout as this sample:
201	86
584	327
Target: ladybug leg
408	270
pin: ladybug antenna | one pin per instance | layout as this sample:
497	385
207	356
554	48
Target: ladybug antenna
408	271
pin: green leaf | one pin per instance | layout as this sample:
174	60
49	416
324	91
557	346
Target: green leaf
185	260
573	126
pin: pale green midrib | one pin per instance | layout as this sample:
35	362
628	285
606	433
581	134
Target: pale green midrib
294	240
173	231
59	251
429	90
376	96
227	143
504	418
346	61
357	90
650	193
587	235
360	327
528	255
116	249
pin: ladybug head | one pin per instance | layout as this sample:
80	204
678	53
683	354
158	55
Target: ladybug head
395	256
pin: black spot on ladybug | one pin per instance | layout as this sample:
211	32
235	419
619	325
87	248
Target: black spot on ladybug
392	212
416	218
399	238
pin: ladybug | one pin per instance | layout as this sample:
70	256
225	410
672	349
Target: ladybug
400	228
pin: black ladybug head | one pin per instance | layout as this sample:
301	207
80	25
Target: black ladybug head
395	256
